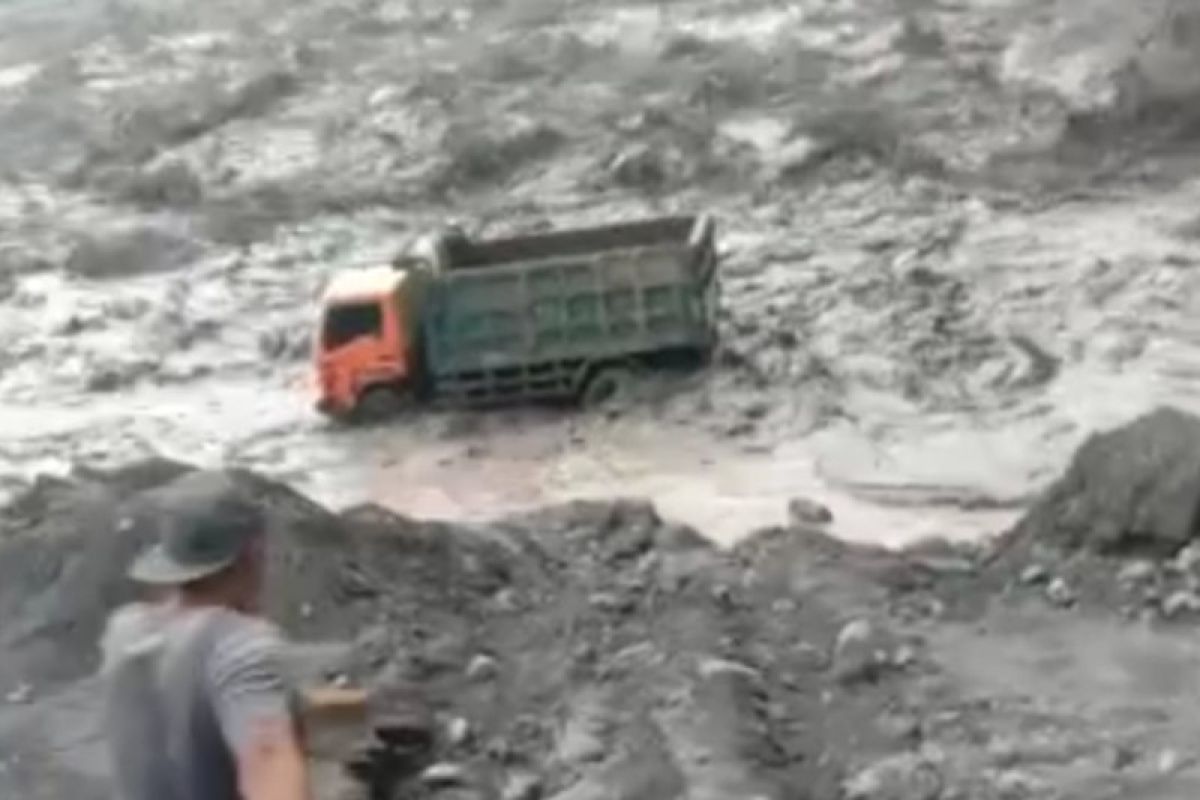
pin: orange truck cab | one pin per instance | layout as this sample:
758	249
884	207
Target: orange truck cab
367	351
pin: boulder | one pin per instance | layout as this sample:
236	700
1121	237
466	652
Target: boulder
1133	490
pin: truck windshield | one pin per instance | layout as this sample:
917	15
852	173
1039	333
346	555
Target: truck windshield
345	323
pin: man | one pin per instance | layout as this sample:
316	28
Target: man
199	704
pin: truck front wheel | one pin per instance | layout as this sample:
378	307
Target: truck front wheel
377	404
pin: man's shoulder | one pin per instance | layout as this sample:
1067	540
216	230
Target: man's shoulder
225	634
132	629
233	626
240	641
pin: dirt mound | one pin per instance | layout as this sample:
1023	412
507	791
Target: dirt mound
592	645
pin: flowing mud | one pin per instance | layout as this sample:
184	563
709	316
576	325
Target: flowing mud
957	237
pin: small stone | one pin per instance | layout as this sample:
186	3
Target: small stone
1012	784
306	611
859	652
443	775
803	512
719	667
21	694
1034	573
522	786
1168	761
458	731
638	166
482	668
784	606
1135	572
1181	602
505	600
1188	559
906	776
905	656
1059	593
904	728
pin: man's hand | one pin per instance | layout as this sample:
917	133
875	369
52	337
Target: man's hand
271	764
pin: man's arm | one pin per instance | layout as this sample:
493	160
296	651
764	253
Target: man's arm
271	764
252	703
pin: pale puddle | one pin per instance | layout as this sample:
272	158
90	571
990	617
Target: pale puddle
711	485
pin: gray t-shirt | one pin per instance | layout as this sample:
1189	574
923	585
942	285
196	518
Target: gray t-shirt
186	688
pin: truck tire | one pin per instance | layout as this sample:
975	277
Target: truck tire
378	404
607	386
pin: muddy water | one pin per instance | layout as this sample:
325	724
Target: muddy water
1055	324
1106	290
723	490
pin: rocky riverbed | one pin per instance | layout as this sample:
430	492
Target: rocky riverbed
596	649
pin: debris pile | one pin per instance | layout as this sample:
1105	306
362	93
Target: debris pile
581	650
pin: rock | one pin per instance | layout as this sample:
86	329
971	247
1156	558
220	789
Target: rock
903	729
639	166
458	731
719	667
1136	572
581	740
522	786
1130	490
129	251
109	375
171	182
1059	593
860	651
1181	602
21	694
1187	560
1012	784
803	512
443	775
282	344
905	656
906	776
795	158
1034	573
1168	762
482	668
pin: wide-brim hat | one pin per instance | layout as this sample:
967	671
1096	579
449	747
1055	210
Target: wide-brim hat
203	521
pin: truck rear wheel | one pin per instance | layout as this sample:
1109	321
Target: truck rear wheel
607	386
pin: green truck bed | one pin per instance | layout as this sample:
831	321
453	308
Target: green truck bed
535	316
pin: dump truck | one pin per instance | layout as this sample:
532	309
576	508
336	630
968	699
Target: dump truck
558	315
